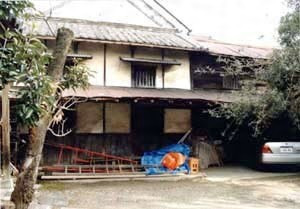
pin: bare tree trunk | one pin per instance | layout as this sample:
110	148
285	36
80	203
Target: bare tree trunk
24	191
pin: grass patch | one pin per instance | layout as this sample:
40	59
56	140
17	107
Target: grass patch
53	186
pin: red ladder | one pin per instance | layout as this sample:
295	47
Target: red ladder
112	163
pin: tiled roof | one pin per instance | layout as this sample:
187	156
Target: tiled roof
113	32
221	48
127	34
98	92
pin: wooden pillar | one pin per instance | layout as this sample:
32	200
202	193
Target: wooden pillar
104	64
5	133
163	68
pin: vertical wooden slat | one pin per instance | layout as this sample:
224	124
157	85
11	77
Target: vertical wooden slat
191	73
154	77
144	77
133	81
104	117
138	78
163	68
150	76
104	65
148	79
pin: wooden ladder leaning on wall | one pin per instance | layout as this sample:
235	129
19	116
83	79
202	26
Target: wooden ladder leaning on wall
89	162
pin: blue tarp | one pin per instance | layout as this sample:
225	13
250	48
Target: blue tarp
152	161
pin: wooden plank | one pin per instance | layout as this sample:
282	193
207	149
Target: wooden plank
97	174
163	68
111	176
104	64
149	61
89	166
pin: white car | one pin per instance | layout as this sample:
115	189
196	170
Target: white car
281	153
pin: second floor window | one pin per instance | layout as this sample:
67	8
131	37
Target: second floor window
144	76
216	81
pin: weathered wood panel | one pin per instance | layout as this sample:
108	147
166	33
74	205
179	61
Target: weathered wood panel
117	118
177	120
89	117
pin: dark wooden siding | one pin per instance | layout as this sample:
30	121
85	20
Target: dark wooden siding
115	144
208	72
126	145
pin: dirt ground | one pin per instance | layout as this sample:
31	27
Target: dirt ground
263	193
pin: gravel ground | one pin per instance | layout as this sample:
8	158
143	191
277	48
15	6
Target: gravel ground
264	193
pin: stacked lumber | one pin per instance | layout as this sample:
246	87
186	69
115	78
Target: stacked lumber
207	153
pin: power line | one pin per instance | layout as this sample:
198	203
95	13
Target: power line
179	21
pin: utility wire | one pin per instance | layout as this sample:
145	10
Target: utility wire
179	21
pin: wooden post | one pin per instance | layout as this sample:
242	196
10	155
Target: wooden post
5	133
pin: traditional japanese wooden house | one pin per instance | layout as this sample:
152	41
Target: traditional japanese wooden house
149	85
141	95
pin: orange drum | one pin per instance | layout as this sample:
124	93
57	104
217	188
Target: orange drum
173	160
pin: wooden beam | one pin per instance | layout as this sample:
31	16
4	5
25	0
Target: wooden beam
5	133
150	61
104	117
191	73
80	56
163	68
104	64
132	52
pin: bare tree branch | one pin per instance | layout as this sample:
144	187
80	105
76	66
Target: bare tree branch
57	124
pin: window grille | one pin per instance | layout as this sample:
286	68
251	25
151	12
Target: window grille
144	76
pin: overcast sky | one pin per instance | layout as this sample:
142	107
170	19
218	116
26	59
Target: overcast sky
252	22
240	21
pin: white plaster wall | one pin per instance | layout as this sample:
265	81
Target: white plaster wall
177	76
177	120
117	118
159	81
96	64
118	73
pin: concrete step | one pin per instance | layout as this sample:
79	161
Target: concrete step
7	186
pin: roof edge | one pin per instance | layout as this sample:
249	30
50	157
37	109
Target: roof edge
118	25
129	44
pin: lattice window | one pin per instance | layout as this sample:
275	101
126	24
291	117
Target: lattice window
144	76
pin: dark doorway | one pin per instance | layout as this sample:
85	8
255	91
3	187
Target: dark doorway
147	128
